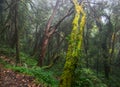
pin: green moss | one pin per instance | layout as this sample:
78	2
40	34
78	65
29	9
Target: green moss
75	45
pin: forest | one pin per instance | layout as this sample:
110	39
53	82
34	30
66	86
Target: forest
59	43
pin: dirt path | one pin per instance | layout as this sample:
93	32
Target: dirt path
9	78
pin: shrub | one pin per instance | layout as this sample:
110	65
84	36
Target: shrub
87	78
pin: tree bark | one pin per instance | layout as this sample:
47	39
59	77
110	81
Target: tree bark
47	35
49	31
16	32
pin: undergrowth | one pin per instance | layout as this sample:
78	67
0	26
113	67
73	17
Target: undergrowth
87	78
83	77
43	77
29	67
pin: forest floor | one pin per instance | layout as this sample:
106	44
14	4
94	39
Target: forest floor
10	78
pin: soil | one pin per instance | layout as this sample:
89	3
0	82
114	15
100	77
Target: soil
10	78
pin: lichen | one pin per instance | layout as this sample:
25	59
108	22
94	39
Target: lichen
75	46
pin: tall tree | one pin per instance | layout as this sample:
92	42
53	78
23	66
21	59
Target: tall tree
16	30
74	48
50	30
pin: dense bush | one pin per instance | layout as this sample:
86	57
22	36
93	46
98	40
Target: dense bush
87	78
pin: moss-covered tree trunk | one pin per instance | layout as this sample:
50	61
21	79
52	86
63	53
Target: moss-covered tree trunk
74	48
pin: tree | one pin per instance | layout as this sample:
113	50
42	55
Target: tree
74	48
50	30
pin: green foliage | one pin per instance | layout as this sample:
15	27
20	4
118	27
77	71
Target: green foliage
114	80
27	60
87	78
5	50
99	30
29	67
57	68
41	76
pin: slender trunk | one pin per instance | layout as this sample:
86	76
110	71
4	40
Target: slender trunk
17	32
35	48
106	59
85	41
97	67
47	35
49	31
43	49
106	69
55	56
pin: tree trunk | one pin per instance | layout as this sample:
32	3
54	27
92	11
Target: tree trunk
74	48
35	48
49	31
43	49
16	32
106	58
47	35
